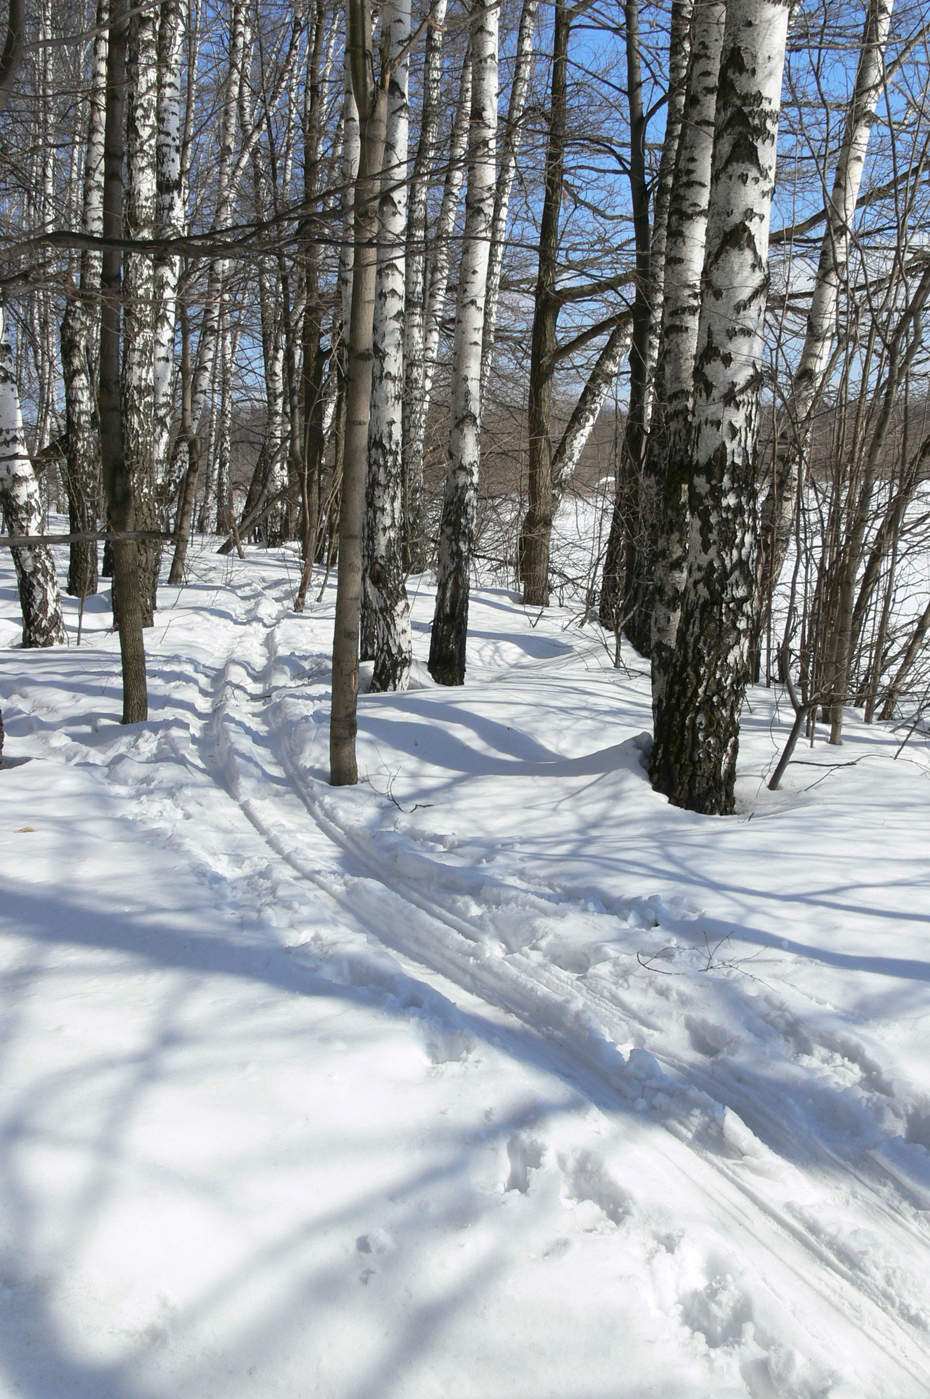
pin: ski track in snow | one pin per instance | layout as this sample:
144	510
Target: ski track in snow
455	951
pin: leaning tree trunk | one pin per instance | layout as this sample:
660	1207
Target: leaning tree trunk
457	529
697	730
22	510
385	595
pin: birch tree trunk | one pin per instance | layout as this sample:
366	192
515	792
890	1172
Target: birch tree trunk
536	531
78	344
422	348
169	213
457	529
227	168
697	729
371	105
22	510
794	430
585	414
20	502
116	477
618	604
641	502
508	150
668	455
414	420
138	356
385	595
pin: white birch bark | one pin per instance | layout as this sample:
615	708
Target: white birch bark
457	529
697	725
40	308
681	23
22	510
385	594
351	152
437	281
225	165
668	457
169	211
232	163
585	414
138	358
371	101
780	501
509	149
415	290
78	343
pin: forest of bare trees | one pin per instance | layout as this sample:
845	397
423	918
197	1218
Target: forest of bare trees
347	276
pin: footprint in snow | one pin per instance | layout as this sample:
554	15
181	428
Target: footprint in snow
525	1155
587	1180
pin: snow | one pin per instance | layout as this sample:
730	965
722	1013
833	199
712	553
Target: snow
493	1076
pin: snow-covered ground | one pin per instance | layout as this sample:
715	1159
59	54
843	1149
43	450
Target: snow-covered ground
494	1077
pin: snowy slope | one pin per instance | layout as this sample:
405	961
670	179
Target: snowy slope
493	1076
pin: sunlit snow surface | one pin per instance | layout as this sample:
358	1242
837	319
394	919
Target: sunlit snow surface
494	1076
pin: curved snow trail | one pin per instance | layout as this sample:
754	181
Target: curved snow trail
709	1127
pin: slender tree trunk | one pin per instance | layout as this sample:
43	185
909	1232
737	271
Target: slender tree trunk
116	478
385	595
79	343
22	508
457	529
414	409
585	414
640	494
169	214
138	350
418	395
536	532
697	732
620	603
19	491
508	150
668	455
371	103
794	429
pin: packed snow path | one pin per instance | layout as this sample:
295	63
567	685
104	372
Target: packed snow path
683	1057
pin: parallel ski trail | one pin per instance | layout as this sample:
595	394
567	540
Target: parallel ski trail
574	1026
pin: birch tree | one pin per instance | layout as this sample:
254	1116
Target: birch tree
697	726
370	98
79	342
22	510
117	478
414	408
781	496
668	461
457	527
420	366
385	603
138	342
19	491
